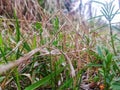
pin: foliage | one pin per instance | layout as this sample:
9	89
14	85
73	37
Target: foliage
57	51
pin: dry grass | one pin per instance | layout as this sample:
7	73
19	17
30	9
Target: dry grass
76	38
29	12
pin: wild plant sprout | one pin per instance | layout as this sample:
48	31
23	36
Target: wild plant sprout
108	11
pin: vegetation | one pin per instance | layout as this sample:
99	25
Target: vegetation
42	48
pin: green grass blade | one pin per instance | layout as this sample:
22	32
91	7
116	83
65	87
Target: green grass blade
3	55
94	65
34	42
18	34
1	41
66	84
17	27
44	80
16	77
99	52
26	46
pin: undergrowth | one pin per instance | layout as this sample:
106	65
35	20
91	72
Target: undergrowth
44	50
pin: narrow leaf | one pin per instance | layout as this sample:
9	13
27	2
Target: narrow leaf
43	81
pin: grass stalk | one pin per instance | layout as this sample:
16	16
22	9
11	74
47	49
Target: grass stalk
112	39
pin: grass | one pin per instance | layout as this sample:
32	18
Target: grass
44	50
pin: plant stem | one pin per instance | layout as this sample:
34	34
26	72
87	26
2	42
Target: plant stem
112	40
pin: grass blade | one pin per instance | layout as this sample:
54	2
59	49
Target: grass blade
17	27
44	80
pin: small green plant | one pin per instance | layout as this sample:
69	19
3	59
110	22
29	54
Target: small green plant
105	71
109	13
108	69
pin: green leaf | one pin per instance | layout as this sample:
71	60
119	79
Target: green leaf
55	23
94	65
17	27
60	61
2	78
109	58
38	25
3	55
16	77
115	86
55	43
104	64
68	83
26	46
101	72
34	42
99	52
1	40
44	80
1	43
